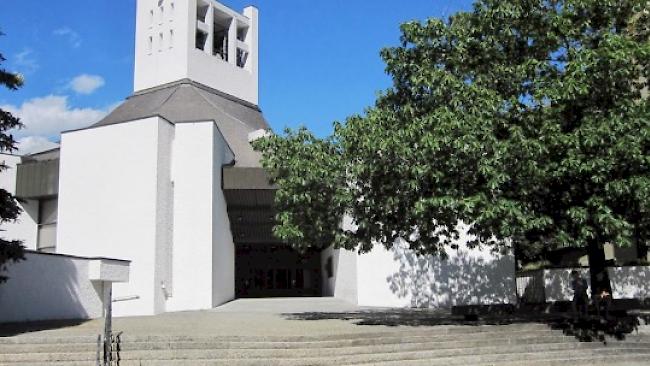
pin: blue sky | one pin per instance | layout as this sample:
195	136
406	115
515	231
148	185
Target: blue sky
319	60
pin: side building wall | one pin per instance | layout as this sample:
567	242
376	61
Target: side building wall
109	204
400	278
25	228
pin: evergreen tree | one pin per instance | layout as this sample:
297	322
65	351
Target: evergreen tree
10	250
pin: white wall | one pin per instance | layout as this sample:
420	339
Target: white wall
223	247
169	64
49	286
399	278
557	283
164	64
203	252
163	279
631	282
343	283
108	197
25	228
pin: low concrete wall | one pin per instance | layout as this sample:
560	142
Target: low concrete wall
53	286
557	283
631	282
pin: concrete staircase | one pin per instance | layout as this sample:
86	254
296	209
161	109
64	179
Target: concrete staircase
516	344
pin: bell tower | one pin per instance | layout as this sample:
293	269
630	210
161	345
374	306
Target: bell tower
200	40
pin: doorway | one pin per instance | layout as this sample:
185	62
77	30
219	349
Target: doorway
276	270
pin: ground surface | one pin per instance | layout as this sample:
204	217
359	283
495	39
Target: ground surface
277	316
326	331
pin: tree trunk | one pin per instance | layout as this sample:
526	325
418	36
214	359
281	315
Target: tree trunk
597	269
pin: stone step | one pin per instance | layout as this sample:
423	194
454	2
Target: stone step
358	351
353	344
613	360
210	343
596	357
319	356
342	337
401	359
379	343
609	358
457	331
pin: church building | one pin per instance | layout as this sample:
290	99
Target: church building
170	182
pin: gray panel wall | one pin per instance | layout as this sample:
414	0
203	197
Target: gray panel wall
37	179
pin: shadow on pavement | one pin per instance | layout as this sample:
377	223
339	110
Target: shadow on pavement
586	329
13	329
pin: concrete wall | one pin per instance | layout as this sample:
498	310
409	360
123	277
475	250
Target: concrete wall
203	252
48	286
631	282
163	64
343	283
108	203
25	228
399	278
163	279
223	247
557	283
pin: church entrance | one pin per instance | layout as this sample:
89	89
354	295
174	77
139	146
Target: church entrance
276	270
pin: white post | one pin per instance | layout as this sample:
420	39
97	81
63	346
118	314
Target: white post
232	42
209	21
252	40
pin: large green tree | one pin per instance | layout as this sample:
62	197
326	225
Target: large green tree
10	250
523	118
312	194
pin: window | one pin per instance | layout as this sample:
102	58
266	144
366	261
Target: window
220	39
161	14
202	11
150	18
160	42
149	45
242	57
171	38
241	33
171	11
47	214
201	39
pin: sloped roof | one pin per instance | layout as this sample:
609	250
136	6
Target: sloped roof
188	101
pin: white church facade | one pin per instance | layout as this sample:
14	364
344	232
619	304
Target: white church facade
170	182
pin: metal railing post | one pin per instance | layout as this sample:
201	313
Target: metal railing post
108	320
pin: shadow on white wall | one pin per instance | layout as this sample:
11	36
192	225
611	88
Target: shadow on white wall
467	277
47	287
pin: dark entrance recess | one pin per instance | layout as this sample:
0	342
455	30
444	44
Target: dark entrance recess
264	266
272	270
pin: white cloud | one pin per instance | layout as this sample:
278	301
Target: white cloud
86	84
73	37
34	144
25	62
48	116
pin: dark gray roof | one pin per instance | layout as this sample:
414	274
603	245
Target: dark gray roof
188	101
245	178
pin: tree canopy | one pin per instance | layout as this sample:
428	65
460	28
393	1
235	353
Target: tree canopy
526	119
10	250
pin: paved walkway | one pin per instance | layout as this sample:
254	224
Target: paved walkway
279	316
